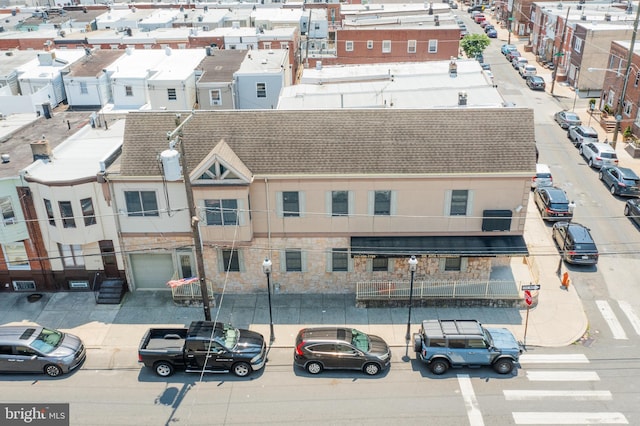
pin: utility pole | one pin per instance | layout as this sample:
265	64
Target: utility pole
560	52
197	242
632	46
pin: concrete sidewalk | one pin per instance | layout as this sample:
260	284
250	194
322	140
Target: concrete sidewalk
556	319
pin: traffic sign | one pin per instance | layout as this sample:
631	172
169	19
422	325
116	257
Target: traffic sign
531	287
527	298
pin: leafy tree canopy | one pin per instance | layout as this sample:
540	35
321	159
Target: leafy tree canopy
474	44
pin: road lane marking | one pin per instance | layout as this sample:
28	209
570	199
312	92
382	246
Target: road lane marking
631	316
525	395
610	318
564	376
470	401
558	358
567	418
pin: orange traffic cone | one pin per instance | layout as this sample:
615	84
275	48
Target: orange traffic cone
565	280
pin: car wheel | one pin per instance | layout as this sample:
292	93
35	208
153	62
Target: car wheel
439	366
590	162
613	190
163	369
417	342
52	370
601	175
503	366
626	210
371	368
314	368
241	369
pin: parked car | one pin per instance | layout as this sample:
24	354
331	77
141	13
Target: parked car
37	349
575	243
485	24
527	70
598	154
632	210
463	33
474	13
492	33
485	66
487	27
542	178
512	54
519	62
620	180
506	48
456	343
535	82
453	5
567	118
205	346
476	8
582	134
552	203
479	18
326	348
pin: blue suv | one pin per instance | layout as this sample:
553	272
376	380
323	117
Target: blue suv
456	343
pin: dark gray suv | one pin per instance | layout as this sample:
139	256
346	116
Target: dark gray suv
36	349
327	348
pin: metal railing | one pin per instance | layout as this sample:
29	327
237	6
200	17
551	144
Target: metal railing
190	292
437	289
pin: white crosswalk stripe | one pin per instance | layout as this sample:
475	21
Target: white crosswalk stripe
562	376
553	358
611	319
568	418
538	395
631	316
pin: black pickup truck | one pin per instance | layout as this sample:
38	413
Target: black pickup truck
204	346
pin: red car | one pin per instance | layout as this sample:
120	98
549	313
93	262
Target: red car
479	18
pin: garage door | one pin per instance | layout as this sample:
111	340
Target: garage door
151	271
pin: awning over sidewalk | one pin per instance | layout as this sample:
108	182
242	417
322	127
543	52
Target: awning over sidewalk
477	246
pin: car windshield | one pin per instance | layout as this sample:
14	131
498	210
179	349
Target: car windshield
360	340
586	247
47	341
572	117
608	155
560	206
230	336
630	182
487	336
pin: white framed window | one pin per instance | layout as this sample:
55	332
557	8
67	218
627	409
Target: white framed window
411	46
71	255
348	46
267	45
338	260
369	44
382	203
49	209
379	264
637	80
433	46
221	212
284	45
627	107
141	203
128	90
215	97
577	45
83	88
230	260
386	46
458	202
610	98
293	260
88	211
171	94
637	120
15	254
24	285
340	203
66	213
290	204
452	264
8	215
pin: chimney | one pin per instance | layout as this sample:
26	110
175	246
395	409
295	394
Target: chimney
41	149
462	98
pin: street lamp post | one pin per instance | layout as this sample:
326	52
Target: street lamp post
266	268
413	265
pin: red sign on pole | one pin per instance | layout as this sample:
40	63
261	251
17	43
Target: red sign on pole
527	297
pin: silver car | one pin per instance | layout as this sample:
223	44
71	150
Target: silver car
567	118
598	154
37	349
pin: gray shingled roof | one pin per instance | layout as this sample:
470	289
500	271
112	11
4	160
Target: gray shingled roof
489	140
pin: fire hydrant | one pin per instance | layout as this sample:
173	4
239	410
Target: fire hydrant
565	280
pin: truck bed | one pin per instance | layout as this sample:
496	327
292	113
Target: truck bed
159	339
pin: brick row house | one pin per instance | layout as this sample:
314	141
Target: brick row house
331	197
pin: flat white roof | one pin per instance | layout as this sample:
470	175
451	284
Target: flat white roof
411	85
137	63
79	156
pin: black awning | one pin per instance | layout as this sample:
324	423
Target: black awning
477	246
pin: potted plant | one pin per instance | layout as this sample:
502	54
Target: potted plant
592	105
628	135
606	110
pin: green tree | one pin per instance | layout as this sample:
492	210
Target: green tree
474	44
